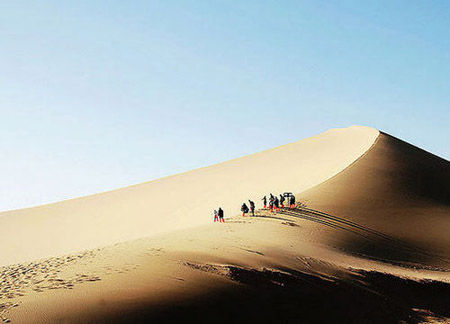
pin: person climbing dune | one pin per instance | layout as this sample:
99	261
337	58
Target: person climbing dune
216	216
282	199
264	201
220	212
252	207
276	204
244	209
292	201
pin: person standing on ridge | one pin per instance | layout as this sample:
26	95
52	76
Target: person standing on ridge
216	216
252	207
265	201
282	199
244	209
271	203
276	203
221	215
292	201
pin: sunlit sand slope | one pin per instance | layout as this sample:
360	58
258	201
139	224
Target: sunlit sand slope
179	201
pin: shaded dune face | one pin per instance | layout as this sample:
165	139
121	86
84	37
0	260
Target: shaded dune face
399	190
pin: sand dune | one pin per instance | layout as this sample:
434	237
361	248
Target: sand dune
179	201
395	188
367	243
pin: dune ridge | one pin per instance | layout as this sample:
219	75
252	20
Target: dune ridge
180	201
400	190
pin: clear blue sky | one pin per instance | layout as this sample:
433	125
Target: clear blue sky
95	95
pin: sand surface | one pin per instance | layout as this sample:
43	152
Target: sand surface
367	243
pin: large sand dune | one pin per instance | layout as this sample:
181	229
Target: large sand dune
395	188
368	244
179	201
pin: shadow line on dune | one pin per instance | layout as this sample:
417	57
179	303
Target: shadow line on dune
390	240
367	229
376	245
289	296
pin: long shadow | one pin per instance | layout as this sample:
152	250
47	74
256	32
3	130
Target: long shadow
372	246
352	224
396	241
272	217
323	222
292	213
305	217
366	229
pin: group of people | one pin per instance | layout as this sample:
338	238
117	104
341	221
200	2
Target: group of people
218	215
245	209
274	203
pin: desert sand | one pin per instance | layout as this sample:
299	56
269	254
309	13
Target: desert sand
367	242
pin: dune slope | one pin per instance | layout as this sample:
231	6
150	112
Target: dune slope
179	201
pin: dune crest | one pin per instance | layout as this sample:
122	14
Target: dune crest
180	201
395	188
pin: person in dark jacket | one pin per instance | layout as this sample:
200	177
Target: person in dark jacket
220	212
277	204
292	201
282	199
252	207
264	201
271	201
244	209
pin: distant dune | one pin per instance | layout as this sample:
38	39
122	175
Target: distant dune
367	242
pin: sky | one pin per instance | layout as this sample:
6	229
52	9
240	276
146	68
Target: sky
96	95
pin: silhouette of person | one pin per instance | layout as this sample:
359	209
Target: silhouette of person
276	203
216	216
264	201
292	201
252	207
244	209
221	215
282	199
